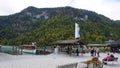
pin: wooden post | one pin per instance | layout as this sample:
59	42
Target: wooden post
0	48
21	51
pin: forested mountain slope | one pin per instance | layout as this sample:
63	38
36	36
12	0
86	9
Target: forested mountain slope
45	25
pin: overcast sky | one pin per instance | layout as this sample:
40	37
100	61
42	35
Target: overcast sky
109	8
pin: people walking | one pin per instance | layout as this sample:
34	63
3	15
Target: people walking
77	52
98	52
92	52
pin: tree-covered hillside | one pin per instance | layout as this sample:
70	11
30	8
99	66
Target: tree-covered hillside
50	24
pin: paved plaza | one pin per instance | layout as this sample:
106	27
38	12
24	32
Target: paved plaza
49	61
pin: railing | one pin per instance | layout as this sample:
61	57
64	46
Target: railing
72	65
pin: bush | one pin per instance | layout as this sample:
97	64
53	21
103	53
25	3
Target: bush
106	49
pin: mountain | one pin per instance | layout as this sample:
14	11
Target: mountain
45	25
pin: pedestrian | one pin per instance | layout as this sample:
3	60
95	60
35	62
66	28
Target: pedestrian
77	52
113	50
98	52
92	52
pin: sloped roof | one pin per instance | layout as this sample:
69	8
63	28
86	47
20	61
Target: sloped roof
77	41
98	45
117	42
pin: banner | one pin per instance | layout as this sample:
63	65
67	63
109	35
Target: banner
77	30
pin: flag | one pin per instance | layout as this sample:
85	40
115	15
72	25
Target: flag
77	30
